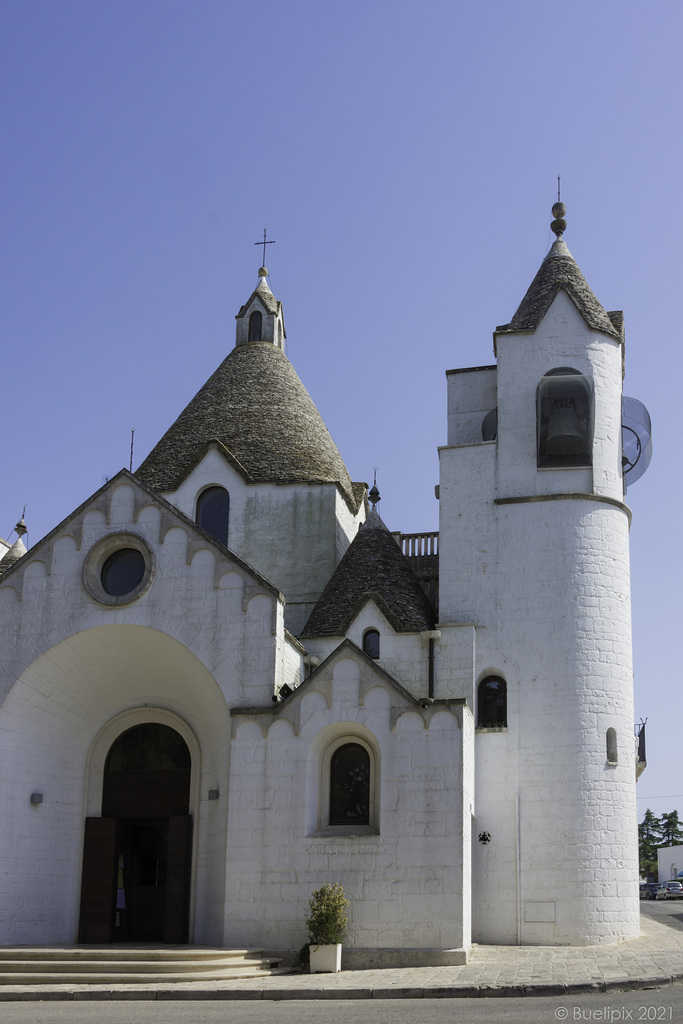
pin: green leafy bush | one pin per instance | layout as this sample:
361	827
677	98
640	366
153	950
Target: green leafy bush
327	920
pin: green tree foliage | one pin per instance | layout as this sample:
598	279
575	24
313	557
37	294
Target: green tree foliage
654	833
670	829
648	839
327	920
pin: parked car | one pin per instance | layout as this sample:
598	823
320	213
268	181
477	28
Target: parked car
670	891
648	891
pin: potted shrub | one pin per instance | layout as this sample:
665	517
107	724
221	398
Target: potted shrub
326	925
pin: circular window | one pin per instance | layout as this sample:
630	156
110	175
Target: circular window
118	569
122	572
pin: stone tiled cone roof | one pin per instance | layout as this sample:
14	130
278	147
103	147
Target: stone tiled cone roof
559	270
257	408
373	566
11	557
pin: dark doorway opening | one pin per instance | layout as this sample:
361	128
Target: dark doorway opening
136	858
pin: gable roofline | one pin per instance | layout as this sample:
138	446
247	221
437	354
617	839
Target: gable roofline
359	488
124	474
560	272
346	646
373	567
256	405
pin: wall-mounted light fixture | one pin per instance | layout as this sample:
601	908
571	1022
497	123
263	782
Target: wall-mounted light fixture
213	794
36	798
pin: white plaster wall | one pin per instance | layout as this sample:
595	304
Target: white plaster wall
469	564
204	636
402	655
293	534
547	584
669	862
49	723
406	882
562	339
471	394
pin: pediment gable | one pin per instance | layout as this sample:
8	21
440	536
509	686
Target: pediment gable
118	507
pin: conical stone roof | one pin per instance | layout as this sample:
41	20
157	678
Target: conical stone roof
559	271
256	408
11	557
373	566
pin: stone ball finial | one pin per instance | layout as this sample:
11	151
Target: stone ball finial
559	225
373	493
263	272
21	528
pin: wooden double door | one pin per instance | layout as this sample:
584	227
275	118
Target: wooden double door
137	856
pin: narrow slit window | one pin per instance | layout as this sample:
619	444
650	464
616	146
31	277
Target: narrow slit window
255	325
612	756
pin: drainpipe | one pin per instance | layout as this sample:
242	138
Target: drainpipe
431	635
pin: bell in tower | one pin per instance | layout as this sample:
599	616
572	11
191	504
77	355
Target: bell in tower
564	419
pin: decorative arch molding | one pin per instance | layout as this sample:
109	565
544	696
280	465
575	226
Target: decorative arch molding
95	764
114	728
326	743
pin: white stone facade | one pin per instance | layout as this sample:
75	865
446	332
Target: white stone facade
520	829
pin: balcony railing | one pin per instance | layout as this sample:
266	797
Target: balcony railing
414	544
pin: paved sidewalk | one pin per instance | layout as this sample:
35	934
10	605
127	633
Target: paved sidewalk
655	959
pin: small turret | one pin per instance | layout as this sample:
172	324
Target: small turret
261	317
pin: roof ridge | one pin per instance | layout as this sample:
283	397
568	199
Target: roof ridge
559	271
372	568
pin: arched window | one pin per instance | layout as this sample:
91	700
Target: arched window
371	643
350	785
492	703
564	419
255	322
213	512
611	739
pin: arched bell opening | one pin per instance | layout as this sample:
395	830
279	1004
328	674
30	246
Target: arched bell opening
136	862
564	419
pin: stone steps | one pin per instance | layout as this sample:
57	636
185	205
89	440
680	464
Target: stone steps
86	965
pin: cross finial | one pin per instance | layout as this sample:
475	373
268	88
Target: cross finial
264	243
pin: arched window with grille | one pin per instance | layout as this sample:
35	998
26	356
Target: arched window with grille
213	512
492	703
350	785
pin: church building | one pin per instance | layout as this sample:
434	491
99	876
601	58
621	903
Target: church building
224	681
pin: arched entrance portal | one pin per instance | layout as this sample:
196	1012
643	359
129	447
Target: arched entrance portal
136	858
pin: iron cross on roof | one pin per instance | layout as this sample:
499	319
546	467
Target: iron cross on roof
264	243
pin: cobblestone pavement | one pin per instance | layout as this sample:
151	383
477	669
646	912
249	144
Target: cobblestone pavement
656	958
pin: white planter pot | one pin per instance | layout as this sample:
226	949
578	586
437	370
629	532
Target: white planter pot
325	959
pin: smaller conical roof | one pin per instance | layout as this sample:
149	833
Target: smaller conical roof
17	551
373	567
559	271
263	292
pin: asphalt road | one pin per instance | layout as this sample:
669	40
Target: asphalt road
663	1004
668	912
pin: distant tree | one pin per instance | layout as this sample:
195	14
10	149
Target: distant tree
670	831
649	833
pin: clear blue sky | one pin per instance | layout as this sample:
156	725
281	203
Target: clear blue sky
404	157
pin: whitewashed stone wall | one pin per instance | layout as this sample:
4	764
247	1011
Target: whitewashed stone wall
294	534
406	881
547	583
205	635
